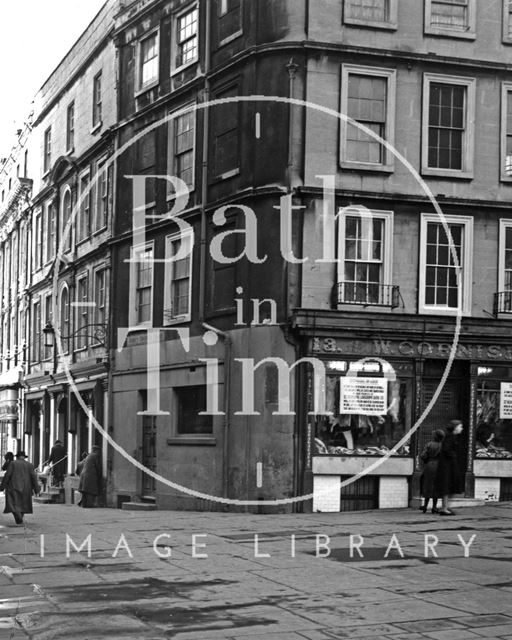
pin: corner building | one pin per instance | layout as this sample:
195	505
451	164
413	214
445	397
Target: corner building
376	282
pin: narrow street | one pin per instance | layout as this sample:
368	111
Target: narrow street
155	588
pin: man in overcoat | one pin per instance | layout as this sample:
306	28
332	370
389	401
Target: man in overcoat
19	482
58	461
91	478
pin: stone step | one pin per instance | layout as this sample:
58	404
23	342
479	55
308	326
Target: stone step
456	502
139	506
53	495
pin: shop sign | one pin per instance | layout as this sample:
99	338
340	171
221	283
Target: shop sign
506	401
8	405
363	396
409	348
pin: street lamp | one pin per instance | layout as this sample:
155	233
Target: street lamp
94	331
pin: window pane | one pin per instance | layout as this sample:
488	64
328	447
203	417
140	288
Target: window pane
368	10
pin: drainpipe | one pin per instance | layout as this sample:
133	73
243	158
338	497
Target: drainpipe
227	404
204	173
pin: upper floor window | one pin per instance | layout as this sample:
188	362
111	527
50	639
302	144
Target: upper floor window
84	224
148	61
48	319
226	135
97	105
371	13
141	286
100	296
445	264
49	232
505	258
103	186
65	324
229	20
66	225
178	275
47	152
368	97
506	131
70	127
37	242
36	331
186	37
82	311
454	18
365	257
448	125
182	130
507	21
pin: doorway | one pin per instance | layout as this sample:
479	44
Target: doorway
451	404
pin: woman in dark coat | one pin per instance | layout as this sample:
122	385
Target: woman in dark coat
8	458
91	479
448	476
19	482
430	457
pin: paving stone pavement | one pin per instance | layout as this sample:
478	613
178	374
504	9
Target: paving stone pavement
203	576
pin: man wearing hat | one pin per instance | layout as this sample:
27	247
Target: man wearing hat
19	482
91	478
58	461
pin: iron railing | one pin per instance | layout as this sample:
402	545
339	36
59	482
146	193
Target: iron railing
366	294
503	302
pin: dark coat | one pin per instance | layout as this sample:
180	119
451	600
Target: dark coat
57	460
19	482
91	477
448	476
430	457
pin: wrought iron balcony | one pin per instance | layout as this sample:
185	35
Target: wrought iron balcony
503	302
366	294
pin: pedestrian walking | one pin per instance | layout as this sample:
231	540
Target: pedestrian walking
430	458
91	479
57	460
448	476
19	482
8	458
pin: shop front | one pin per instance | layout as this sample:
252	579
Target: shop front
385	397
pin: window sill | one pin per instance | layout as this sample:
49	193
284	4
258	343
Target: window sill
96	127
177	320
227	175
230	38
507	41
192	441
442	311
387	26
98	232
367	166
140	92
171	197
177	70
450	33
447	174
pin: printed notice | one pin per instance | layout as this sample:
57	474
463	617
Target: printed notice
506	401
364	396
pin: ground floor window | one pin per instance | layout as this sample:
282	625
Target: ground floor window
493	436
371	411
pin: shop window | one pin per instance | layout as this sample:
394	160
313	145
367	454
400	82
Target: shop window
493	435
445	284
191	402
368	97
506	131
448	125
178	274
229	20
371	13
453	18
371	409
365	257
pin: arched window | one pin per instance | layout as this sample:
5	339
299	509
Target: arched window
66	233
64	318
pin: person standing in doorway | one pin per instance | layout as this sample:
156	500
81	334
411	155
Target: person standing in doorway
448	476
57	460
430	458
19	482
91	478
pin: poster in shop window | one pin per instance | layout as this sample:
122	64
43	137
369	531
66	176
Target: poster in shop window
506	401
363	396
